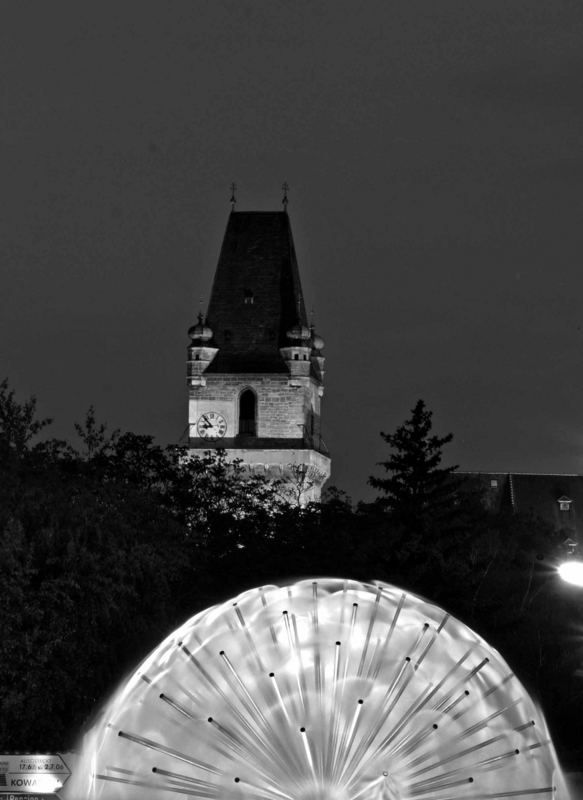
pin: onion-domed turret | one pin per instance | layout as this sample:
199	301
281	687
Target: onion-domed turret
317	342
200	332
318	359
200	352
297	350
299	333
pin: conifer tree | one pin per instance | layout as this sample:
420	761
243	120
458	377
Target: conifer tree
419	494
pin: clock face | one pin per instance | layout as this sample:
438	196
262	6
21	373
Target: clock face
211	426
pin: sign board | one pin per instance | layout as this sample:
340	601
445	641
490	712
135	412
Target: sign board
25	775
19	796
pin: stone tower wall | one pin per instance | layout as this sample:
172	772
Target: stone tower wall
283	410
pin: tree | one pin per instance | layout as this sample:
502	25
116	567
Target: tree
419	494
95	562
18	423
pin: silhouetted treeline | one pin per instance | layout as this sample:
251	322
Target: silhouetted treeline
107	547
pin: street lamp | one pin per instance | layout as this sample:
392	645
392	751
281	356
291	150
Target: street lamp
572	572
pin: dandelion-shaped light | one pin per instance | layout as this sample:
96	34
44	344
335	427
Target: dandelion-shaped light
323	690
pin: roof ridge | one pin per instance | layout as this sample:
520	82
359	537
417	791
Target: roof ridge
512	493
256	211
514	472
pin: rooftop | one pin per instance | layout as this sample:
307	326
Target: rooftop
256	295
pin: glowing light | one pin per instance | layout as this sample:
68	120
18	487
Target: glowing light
46	784
324	690
572	572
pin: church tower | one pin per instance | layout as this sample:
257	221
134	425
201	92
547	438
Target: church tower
255	366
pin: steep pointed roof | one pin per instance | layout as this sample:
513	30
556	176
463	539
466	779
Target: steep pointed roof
256	295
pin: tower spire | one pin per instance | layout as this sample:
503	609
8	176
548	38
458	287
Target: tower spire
285	189
259	396
233	199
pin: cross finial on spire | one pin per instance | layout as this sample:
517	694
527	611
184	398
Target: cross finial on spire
233	199
285	201
299	309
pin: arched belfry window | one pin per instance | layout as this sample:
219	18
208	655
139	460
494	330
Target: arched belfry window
248	413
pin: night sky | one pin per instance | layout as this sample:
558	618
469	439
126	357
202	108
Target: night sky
434	154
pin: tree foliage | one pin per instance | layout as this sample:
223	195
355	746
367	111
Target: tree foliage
93	564
18	422
108	546
417	492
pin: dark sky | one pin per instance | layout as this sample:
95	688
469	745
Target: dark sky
434	153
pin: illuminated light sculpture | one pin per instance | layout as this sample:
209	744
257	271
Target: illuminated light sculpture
322	690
